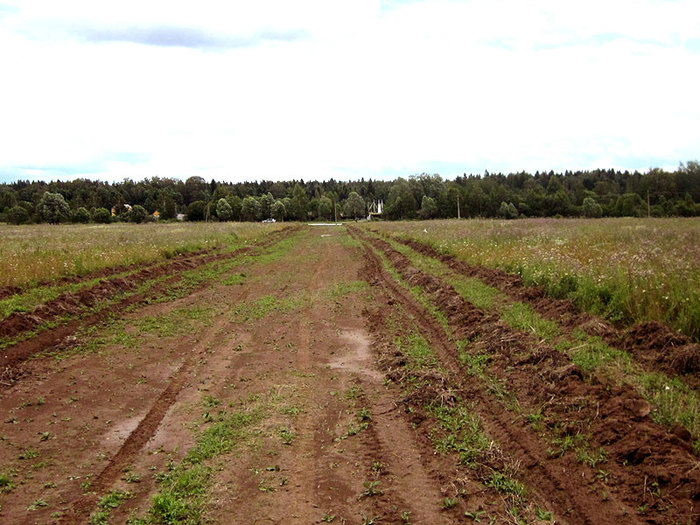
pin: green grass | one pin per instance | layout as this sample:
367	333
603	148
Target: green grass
106	504
459	432
182	491
628	270
31	254
522	317
348	287
416	348
267	304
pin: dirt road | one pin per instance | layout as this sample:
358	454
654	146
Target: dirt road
288	386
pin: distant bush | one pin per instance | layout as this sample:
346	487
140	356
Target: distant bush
138	214
81	215
102	216
17	215
196	210
53	208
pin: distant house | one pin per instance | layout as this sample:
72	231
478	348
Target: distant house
180	216
156	215
375	210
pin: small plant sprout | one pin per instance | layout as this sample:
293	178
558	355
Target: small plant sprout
371	489
448	503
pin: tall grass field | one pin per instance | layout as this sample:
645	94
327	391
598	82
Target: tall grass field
39	253
626	269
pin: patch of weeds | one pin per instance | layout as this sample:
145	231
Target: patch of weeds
108	503
29	453
292	411
353	392
590	457
132	477
6	483
475	291
417	350
544	515
459	432
210	401
535	420
449	503
327	517
268	303
37	504
364	414
475	363
475	516
234	279
505	484
675	403
286	435
591	353
348	287
181	496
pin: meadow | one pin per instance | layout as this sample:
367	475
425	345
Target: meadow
40	253
627	270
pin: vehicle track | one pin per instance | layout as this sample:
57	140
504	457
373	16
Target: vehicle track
556	481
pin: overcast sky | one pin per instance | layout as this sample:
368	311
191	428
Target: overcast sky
314	89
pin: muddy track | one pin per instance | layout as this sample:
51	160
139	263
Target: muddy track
68	304
641	454
654	345
553	486
81	508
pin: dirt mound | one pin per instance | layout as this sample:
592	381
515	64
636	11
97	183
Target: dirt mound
658	345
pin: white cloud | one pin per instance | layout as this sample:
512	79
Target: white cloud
320	89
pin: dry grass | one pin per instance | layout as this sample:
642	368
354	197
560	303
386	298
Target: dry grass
629	270
40	253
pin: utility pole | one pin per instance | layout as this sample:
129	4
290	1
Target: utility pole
458	214
335	211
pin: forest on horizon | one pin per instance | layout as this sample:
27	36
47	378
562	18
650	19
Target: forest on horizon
596	193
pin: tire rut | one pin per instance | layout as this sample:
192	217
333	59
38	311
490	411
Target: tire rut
553	485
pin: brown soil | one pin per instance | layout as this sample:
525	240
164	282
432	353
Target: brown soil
308	352
138	408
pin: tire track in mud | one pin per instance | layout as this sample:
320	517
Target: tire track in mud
145	429
81	508
15	354
619	419
552	485
655	346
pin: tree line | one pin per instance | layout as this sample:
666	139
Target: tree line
596	193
